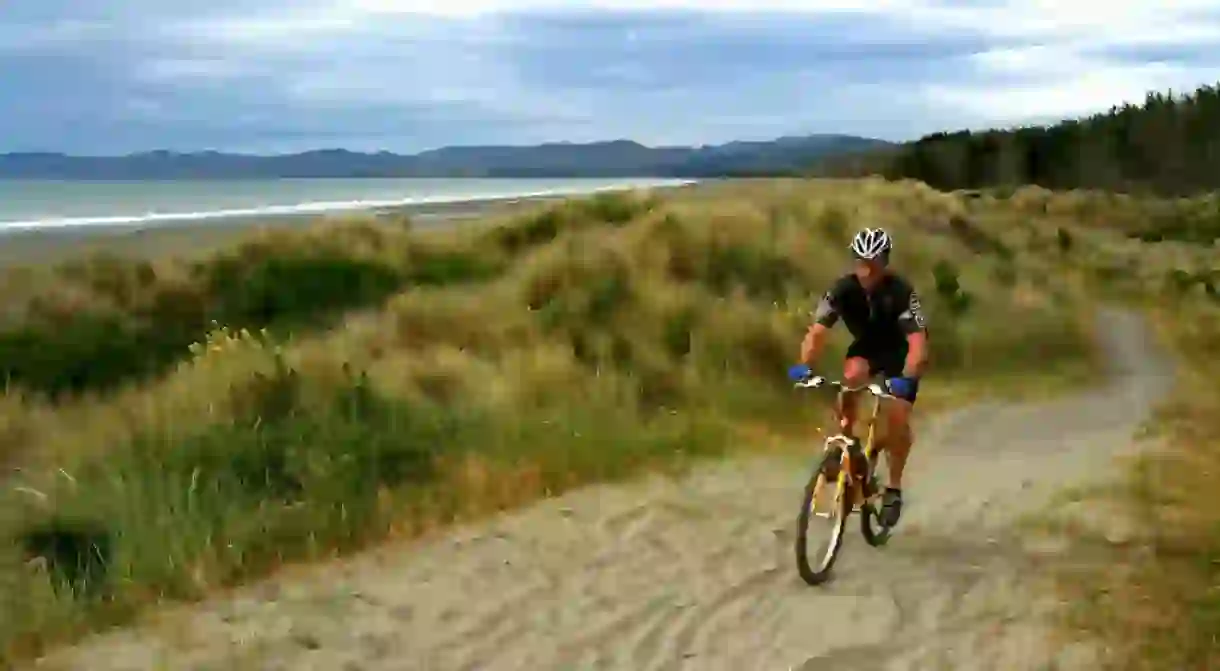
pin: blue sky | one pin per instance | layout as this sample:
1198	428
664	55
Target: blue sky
277	76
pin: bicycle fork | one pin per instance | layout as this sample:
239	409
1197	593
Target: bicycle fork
859	474
855	473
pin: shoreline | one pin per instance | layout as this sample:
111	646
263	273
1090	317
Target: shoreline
319	206
39	246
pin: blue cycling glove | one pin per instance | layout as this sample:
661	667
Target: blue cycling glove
799	373
902	387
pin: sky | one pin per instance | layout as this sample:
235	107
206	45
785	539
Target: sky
274	76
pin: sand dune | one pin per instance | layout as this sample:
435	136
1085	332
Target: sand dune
698	573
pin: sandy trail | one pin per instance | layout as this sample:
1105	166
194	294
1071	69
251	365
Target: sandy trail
698	573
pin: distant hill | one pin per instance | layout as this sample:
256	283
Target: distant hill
1169	145
598	159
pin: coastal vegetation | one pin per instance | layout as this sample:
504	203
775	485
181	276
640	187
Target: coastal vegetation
1137	217
188	424
184	424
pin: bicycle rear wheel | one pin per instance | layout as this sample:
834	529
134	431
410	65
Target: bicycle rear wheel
872	525
834	510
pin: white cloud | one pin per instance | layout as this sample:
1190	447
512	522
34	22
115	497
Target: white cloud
1079	91
179	69
1068	67
1114	22
483	7
291	28
455	71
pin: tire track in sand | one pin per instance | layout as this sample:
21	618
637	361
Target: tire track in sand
697	573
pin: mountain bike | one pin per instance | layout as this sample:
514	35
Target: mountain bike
846	471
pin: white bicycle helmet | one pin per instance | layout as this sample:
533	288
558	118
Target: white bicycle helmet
871	243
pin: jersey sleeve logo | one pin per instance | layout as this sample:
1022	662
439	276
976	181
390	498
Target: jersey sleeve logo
824	306
914	311
825	313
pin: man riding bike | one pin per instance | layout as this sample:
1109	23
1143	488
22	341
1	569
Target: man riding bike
882	312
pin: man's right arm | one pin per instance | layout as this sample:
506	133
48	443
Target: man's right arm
825	316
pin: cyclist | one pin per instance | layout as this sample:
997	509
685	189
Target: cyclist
889	332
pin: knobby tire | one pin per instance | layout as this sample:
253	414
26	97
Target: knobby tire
818	574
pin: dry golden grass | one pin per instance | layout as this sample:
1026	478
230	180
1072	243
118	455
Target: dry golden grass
371	381
1148	592
1142	583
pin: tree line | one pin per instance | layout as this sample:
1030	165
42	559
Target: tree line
1169	145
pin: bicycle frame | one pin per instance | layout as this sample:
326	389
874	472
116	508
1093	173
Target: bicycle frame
852	483
846	467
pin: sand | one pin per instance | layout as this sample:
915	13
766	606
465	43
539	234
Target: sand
698	573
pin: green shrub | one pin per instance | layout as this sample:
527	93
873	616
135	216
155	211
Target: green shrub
613	208
287	288
456	267
949	289
150	328
75	553
284	480
1063	239
530	231
678	328
84	351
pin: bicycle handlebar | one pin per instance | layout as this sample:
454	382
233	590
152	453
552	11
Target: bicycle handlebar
818	381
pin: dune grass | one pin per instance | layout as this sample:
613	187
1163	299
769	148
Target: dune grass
1148	590
1140	577
189	425
1149	593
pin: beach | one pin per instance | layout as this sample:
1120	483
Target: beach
29	246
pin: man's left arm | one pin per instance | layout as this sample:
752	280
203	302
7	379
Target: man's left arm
915	325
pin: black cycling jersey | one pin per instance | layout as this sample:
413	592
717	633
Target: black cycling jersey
886	315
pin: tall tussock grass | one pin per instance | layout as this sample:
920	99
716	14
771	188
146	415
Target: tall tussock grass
184	426
1140	579
1144	586
103	321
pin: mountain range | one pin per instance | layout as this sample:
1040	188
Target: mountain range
616	158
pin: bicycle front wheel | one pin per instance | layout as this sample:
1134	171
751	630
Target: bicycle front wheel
823	518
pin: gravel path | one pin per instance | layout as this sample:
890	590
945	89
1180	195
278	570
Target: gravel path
698	573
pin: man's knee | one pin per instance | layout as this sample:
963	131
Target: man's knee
855	371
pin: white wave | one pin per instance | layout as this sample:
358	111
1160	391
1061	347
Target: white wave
319	207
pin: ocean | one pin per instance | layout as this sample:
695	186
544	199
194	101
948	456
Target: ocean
26	205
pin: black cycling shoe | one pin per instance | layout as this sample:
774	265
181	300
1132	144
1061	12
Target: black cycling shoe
891	506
